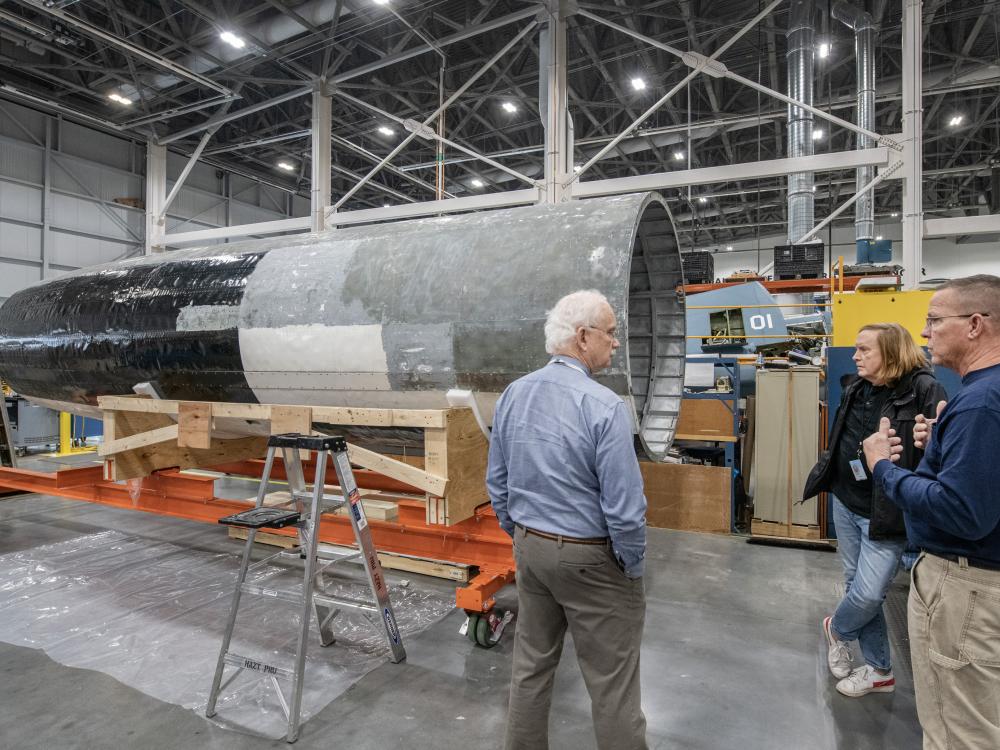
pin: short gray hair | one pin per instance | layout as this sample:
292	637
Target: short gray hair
979	293
582	308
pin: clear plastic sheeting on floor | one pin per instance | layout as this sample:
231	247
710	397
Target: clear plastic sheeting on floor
152	614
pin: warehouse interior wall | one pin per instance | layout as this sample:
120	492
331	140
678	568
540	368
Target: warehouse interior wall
949	257
72	196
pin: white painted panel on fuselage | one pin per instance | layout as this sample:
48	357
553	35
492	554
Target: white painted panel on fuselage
313	358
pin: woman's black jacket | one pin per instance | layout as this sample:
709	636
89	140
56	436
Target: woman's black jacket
917	392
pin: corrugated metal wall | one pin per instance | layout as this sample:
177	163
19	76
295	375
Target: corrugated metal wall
59	182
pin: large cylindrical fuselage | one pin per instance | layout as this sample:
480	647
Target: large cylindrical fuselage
385	315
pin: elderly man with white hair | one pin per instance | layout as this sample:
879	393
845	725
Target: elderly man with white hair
565	484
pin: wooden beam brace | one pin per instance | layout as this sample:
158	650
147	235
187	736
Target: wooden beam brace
430	483
152	437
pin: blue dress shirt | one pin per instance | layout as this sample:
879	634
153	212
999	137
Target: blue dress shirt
562	460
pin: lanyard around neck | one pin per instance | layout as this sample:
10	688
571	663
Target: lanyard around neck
570	364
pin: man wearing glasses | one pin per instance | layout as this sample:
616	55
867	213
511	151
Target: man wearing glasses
565	484
952	508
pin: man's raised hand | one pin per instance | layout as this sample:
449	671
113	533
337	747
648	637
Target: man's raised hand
922	428
882	444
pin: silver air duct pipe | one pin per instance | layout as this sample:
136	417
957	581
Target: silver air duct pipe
801	55
864	54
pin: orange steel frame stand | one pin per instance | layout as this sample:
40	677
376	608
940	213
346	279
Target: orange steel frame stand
477	541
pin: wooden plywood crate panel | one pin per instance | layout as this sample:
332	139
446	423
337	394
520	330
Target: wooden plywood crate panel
688	497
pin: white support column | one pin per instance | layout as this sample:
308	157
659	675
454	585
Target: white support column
51	123
156	196
322	135
556	103
227	190
913	144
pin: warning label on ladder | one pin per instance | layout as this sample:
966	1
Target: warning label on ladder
358	508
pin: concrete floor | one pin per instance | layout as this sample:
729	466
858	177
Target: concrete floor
732	658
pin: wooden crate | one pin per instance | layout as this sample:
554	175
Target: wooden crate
143	435
689	497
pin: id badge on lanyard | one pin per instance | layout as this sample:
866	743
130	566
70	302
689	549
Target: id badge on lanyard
858	469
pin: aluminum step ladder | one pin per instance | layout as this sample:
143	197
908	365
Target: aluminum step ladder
305	510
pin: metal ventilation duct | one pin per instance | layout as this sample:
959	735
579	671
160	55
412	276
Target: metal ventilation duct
864	55
385	315
801	55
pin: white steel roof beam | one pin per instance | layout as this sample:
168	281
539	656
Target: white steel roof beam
127	46
878	157
462	89
703	64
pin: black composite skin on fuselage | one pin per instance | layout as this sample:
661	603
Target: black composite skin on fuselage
100	333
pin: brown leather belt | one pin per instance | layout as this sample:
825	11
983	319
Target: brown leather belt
564	538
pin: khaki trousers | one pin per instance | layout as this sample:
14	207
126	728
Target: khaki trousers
562	585
954	623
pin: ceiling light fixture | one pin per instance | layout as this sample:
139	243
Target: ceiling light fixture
894	214
824	50
115	97
385	130
678	155
878	237
729	247
638	84
819	135
702	199
956	120
577	167
287	166
509	107
381	2
477	183
232	40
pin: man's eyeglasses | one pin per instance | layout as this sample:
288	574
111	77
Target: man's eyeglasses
931	320
611	334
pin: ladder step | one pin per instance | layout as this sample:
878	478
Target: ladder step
261	518
308	442
245	662
330	502
294	597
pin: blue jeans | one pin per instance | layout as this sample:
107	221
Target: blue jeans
869	567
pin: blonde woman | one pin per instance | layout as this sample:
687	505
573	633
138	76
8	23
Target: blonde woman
894	380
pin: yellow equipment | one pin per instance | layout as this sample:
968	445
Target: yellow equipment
851	310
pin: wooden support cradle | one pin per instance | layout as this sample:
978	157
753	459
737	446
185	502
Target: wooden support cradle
143	435
442	507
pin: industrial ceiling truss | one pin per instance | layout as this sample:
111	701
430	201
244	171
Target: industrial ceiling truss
457	102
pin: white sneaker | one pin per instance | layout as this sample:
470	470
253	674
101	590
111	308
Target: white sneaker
838	657
864	680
